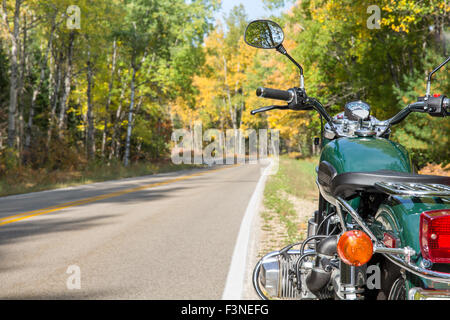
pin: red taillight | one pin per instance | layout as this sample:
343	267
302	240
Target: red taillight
435	235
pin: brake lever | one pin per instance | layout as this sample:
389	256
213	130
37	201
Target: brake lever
268	108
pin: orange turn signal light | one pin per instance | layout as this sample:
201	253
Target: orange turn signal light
355	248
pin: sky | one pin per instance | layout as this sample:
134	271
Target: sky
253	8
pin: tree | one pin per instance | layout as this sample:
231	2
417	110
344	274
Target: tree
157	41
13	32
221	85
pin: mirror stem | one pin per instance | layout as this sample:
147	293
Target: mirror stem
431	75
283	51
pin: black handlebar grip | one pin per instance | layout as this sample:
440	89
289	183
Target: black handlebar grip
399	117
275	94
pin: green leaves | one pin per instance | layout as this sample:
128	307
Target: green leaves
180	79
160	40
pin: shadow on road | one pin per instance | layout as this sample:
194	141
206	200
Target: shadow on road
34	228
30	227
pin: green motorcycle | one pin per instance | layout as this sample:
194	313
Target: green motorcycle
381	231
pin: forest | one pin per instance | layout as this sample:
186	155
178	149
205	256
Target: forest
86	84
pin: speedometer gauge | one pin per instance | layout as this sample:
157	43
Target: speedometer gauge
357	110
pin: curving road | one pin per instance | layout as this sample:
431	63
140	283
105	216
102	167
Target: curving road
168	236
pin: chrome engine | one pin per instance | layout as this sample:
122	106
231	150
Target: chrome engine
276	274
313	272
277	278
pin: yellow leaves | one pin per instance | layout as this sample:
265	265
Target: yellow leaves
223	83
182	110
417	10
292	125
401	16
329	6
400	28
405	100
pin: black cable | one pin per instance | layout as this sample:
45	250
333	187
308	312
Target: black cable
323	221
302	249
297	268
332	231
303	255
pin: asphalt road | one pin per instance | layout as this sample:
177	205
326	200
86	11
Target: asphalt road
168	236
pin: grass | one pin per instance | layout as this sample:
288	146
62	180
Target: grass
26	180
296	178
299	177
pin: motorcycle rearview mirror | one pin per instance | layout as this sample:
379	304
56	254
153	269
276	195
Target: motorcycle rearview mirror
432	73
266	34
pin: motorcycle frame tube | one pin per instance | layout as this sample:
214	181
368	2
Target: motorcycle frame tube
418	271
356	217
341	218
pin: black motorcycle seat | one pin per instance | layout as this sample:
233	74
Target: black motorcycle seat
347	184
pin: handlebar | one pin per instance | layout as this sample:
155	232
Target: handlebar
434	106
276	94
297	99
414	107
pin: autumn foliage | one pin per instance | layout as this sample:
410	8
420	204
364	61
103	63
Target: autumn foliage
113	90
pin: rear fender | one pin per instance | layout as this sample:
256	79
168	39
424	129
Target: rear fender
400	218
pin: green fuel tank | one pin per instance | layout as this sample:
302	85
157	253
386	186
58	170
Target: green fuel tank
366	155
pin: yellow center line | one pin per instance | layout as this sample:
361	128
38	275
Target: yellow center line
34	213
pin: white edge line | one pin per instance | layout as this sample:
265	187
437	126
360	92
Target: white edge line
236	275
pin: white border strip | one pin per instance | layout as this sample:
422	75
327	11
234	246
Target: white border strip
236	275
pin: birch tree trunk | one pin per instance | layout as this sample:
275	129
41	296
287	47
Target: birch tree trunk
13	61
37	89
90	117
227	88
108	102
67	85
126	160
115	145
21	85
54	99
238	110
